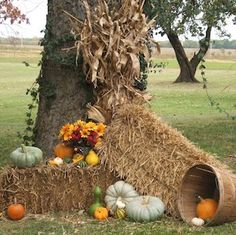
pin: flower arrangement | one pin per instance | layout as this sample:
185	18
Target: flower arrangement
82	134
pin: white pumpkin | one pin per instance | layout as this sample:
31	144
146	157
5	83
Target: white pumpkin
197	221
121	193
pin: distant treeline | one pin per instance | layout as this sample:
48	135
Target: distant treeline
217	44
20	41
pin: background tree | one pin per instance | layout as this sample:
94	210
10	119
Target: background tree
8	11
194	18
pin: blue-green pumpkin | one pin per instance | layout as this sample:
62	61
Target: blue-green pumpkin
26	156
145	209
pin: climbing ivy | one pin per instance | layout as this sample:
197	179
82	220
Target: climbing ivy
212	101
28	135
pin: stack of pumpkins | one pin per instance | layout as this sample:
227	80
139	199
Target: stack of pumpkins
122	201
66	154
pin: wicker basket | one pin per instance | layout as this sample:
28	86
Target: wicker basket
208	182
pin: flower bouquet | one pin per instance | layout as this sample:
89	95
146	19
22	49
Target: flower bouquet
78	140
82	136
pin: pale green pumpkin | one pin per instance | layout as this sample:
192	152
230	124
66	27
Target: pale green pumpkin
145	209
119	192
26	156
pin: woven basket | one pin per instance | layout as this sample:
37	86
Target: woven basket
208	182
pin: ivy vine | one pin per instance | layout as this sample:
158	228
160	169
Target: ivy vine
28	134
213	102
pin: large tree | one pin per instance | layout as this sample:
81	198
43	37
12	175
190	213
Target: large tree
63	92
110	40
197	18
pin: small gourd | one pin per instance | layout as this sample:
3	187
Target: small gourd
101	213
120	213
67	160
197	221
55	162
26	156
206	208
92	158
119	192
97	193
82	164
77	158
145	209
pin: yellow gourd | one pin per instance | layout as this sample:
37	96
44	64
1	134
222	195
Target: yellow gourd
92	158
77	158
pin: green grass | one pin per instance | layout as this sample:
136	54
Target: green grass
14	80
210	64
184	106
74	224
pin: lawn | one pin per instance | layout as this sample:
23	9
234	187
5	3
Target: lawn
184	106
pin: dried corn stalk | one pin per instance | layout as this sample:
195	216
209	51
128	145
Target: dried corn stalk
110	43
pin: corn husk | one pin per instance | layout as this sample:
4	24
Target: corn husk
110	43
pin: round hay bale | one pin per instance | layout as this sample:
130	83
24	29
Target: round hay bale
43	189
149	154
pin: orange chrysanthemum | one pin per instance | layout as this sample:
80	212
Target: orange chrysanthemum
66	131
100	129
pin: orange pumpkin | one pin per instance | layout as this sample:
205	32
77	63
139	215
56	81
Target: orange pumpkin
101	213
206	208
62	151
16	211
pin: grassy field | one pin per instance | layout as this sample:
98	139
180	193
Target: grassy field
184	106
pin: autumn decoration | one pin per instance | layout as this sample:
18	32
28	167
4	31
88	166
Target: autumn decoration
97	203
81	134
145	209
78	141
110	42
15	211
26	156
101	213
206	208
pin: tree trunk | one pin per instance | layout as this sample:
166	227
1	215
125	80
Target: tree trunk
63	92
187	71
188	67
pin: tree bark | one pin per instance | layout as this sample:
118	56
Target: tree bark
63	91
188	67
187	71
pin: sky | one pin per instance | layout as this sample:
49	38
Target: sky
36	11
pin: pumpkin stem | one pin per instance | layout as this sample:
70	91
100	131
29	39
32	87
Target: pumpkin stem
15	201
145	200
200	198
23	148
